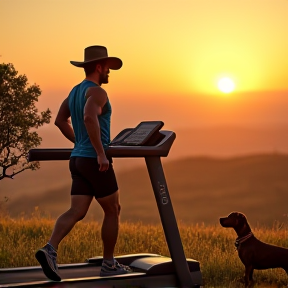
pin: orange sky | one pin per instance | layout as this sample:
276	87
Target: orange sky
174	52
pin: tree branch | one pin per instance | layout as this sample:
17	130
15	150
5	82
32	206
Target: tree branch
11	176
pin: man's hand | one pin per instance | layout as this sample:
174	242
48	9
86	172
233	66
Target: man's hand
103	162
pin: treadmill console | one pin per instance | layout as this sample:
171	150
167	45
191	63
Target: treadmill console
146	139
145	133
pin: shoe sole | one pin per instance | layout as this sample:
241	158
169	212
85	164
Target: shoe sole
112	274
42	259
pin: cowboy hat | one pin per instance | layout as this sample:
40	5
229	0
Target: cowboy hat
96	53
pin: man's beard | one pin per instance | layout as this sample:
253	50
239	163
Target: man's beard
103	78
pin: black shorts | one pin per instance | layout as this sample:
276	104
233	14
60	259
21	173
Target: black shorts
88	180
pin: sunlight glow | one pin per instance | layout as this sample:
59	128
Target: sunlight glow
226	85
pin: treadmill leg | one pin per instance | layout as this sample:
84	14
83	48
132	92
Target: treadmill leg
168	220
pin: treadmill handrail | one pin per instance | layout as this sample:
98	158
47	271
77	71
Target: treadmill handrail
161	149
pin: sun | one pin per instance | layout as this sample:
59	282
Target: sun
226	85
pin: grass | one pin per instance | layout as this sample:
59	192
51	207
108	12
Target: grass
212	246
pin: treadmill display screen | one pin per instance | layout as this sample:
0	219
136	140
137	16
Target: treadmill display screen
138	136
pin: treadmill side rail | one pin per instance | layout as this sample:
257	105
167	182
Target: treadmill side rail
161	149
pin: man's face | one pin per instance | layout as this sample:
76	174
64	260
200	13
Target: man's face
104	75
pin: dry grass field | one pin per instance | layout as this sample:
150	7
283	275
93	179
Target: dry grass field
211	246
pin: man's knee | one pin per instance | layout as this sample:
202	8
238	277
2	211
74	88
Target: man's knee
79	206
78	214
110	204
113	209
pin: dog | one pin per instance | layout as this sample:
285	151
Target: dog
253	253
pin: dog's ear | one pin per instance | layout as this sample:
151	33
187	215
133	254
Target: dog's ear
242	218
241	215
238	218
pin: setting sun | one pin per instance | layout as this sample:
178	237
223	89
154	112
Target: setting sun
226	85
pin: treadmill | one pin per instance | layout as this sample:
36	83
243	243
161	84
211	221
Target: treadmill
149	270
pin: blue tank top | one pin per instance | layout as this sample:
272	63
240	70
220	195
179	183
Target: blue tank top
83	146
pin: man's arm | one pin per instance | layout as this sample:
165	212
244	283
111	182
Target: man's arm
63	123
96	99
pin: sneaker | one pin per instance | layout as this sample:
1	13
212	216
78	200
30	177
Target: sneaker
46	256
116	269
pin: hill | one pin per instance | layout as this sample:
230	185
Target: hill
202	189
222	141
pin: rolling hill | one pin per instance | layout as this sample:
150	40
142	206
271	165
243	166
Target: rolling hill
202	189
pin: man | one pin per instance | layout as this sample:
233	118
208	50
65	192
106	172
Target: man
92	173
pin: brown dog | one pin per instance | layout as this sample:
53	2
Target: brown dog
253	253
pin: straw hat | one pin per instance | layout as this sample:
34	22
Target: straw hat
96	53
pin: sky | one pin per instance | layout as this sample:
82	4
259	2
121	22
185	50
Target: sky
173	52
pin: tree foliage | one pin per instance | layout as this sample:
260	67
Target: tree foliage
19	119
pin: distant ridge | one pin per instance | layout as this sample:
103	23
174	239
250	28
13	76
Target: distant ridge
202	190
230	141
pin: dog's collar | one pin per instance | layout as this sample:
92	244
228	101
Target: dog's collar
240	240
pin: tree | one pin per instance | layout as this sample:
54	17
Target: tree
19	118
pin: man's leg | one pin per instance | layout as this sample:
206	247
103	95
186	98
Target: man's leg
47	256
79	207
110	227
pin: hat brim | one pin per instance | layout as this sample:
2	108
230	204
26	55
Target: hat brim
114	63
